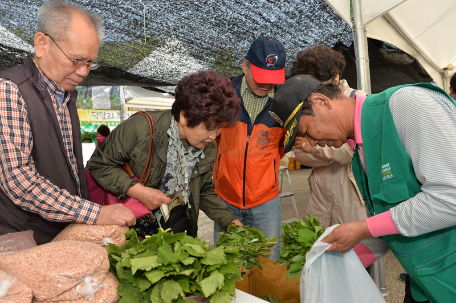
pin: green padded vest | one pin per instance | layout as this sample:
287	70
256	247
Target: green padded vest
429	259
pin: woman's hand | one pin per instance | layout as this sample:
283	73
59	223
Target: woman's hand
151	197
303	143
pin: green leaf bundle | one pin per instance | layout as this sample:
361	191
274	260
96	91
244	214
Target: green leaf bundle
165	268
297	239
270	299
251	242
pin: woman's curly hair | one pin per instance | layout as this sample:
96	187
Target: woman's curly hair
319	61
206	97
104	130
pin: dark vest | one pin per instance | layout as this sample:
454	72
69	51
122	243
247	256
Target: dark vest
48	153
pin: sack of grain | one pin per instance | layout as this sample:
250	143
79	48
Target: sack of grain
106	293
53	268
99	234
12	290
16	241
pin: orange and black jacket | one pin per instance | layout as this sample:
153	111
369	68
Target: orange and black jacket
248	157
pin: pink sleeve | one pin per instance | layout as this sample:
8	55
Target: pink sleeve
365	255
381	225
100	139
351	143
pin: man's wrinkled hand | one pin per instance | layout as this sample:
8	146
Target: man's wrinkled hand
237	222
303	143
347	235
116	214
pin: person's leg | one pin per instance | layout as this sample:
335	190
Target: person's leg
218	229
403	276
408	293
179	222
267	217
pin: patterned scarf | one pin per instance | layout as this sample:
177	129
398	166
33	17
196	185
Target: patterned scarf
186	160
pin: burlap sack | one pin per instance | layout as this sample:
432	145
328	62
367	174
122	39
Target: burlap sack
99	234
53	268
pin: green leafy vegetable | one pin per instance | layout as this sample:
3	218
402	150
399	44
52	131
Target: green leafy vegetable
165	268
271	299
251	242
297	239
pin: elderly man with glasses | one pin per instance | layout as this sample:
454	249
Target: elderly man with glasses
42	181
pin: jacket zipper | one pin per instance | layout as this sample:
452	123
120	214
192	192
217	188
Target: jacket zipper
218	165
275	171
247	144
245	166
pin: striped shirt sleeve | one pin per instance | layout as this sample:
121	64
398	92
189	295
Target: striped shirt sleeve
19	179
426	124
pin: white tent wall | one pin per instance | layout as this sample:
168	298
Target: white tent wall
137	97
422	28
381	29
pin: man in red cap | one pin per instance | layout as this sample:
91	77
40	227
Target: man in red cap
249	154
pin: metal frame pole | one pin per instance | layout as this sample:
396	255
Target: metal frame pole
122	104
361	52
364	84
381	274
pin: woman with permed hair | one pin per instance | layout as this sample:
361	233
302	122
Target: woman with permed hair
323	63
335	197
101	133
183	159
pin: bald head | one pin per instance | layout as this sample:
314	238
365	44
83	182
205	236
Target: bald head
67	36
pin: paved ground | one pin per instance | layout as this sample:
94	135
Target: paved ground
300	187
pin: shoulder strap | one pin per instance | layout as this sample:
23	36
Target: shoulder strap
352	93
146	173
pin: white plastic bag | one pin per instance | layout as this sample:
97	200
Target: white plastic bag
332	277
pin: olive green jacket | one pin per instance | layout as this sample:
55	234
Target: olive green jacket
130	142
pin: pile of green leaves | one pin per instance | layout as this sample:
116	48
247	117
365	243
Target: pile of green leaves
168	267
251	242
297	238
270	299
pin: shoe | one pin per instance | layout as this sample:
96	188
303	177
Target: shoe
402	277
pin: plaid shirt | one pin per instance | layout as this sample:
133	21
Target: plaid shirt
19	179
253	104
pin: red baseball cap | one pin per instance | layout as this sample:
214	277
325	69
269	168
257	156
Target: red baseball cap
267	57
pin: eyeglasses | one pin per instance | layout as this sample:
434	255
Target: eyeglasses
78	63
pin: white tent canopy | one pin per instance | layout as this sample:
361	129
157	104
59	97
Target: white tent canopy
140	98
422	28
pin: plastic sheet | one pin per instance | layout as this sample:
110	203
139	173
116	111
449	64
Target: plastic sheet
92	292
12	290
332	277
14	242
52	269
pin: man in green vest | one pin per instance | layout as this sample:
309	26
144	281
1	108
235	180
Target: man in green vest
405	138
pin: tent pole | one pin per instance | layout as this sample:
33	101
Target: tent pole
364	84
361	52
122	103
